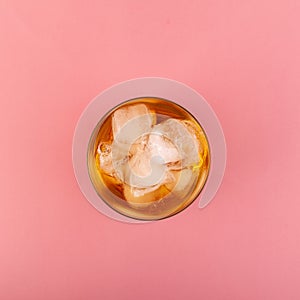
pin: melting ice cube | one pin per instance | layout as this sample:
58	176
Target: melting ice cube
130	122
147	170
185	182
139	198
152	149
187	144
148	161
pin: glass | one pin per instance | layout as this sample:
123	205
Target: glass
148	158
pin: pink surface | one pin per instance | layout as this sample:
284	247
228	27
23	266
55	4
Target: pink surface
243	56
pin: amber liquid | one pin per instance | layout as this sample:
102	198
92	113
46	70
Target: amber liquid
164	201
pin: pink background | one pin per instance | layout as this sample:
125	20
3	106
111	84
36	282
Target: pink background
242	56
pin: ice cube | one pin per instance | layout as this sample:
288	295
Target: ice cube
130	122
186	181
197	134
153	148
185	141
149	157
141	198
